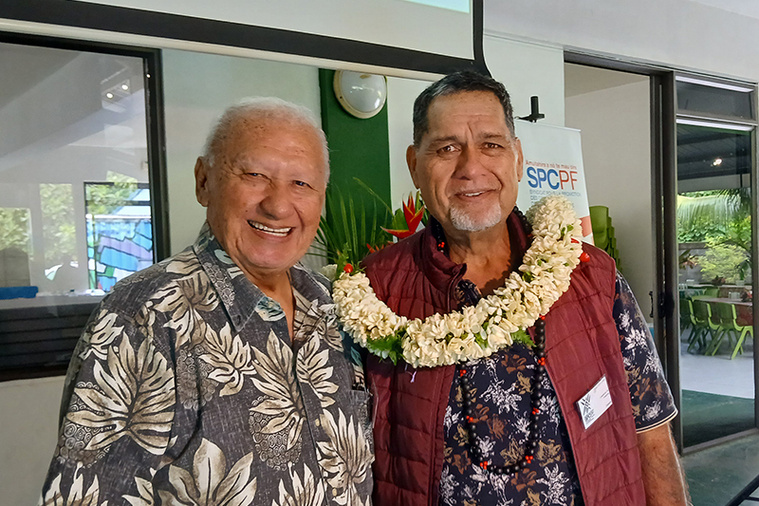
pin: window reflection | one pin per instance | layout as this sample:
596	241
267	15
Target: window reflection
73	164
74	195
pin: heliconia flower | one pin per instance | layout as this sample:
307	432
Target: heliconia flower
413	217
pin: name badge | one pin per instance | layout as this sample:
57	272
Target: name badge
595	403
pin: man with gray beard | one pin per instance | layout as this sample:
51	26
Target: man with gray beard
581	416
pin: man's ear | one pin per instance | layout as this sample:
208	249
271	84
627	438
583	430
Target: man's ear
201	181
519	159
411	162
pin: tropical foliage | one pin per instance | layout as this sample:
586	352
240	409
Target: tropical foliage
721	219
353	228
15	229
723	261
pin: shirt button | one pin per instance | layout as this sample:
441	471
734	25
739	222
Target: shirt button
317	423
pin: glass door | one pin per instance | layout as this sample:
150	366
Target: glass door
715	135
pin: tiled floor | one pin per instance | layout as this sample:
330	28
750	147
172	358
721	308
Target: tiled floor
718	374
715	475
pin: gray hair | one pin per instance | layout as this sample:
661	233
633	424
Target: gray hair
459	82
262	108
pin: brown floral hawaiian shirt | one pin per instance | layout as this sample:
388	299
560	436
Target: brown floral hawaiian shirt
186	390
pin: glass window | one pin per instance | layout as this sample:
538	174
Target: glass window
711	152
75	209
697	96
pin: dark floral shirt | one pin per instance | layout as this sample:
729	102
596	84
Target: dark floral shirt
500	387
186	390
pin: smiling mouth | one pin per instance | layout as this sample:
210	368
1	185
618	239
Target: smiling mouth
471	194
279	232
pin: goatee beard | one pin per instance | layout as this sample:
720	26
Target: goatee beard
462	221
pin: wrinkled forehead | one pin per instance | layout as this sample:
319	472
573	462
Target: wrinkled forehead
248	134
454	110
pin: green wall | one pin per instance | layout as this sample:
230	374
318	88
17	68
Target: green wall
358	147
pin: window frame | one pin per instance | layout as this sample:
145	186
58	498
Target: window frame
59	327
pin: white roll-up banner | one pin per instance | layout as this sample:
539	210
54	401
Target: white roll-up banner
553	166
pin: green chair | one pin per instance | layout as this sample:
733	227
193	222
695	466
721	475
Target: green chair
688	321
731	328
599	216
711	291
710	329
747	328
686	316
724	316
603	232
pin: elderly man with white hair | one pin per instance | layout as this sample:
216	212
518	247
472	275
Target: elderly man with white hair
218	376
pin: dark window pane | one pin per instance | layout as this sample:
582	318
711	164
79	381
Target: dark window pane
697	98
712	152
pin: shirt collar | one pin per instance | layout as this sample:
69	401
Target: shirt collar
240	297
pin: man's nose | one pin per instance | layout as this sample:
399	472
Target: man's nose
468	163
277	202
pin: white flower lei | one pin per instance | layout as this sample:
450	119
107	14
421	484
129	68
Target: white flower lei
475	331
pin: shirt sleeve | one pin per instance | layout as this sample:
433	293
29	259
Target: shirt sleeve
116	416
652	400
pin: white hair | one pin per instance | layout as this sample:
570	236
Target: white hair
262	108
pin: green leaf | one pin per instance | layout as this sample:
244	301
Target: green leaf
521	336
390	345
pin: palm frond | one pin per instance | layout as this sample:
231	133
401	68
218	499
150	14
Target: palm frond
350	226
721	207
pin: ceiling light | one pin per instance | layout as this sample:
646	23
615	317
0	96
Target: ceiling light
109	95
717	162
125	87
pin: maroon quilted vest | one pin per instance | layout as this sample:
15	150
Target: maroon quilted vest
582	345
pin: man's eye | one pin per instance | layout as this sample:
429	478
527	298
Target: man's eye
302	184
492	145
253	174
450	148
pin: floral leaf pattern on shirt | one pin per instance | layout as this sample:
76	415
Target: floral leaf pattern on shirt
145	422
133	398
207	485
320	319
145	493
276	381
651	400
347	456
101	335
305	491
77	495
269	310
230	359
194	385
185	300
313	368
